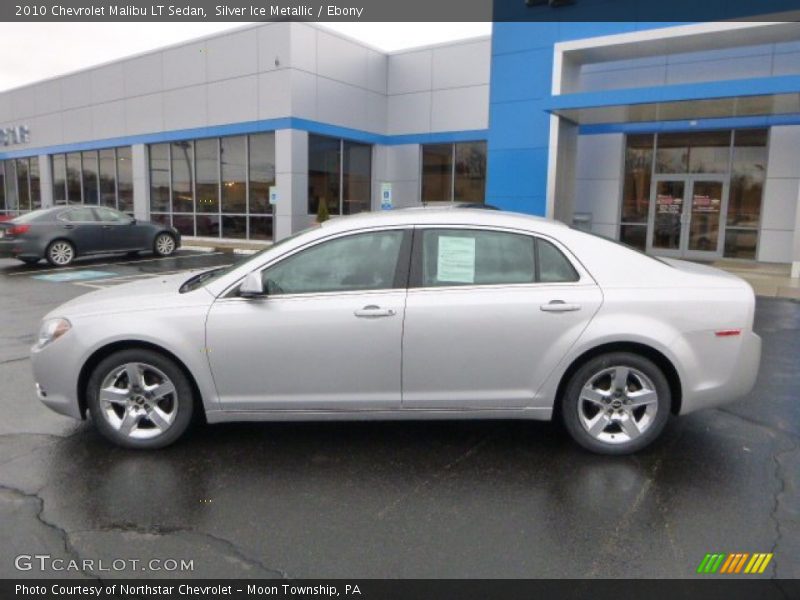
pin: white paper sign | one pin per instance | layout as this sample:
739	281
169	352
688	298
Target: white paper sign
456	260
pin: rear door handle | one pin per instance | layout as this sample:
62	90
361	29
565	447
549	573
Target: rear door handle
373	310
559	306
68	226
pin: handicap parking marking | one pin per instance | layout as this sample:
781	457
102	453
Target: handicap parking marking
74	276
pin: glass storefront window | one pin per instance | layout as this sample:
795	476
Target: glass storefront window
159	178
216	186
23	190
437	172
710	152
233	157
124	179
324	166
638	174
262	172
454	172
107	176
59	179
470	172
74	178
207	178
748	175
90	186
181	157
12	200
356	177
2	188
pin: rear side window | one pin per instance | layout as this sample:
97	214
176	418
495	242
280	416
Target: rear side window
553	265
452	257
78	215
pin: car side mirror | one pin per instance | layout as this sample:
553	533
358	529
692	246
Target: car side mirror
252	286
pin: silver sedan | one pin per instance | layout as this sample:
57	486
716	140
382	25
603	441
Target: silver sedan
410	314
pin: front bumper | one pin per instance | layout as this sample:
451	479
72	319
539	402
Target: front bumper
55	373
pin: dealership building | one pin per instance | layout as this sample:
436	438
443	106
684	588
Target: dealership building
680	139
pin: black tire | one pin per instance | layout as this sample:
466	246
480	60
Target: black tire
165	244
56	257
183	399
30	260
575	411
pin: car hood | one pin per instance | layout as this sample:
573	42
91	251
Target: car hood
148	294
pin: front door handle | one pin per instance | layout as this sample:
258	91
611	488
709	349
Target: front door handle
559	306
373	310
68	226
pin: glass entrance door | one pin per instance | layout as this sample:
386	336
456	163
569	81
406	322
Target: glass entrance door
686	213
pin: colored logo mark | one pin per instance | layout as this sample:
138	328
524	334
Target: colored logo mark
738	562
74	275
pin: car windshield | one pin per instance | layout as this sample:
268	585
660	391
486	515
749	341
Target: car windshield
205	277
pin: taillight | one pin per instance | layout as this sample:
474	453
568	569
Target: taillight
728	332
18	229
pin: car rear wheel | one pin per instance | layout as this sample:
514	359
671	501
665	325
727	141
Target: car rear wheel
164	244
60	253
140	399
616	403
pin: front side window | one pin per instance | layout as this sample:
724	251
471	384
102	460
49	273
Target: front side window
109	215
366	261
453	257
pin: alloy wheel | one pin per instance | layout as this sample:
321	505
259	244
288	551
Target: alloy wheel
165	244
138	400
617	404
61	253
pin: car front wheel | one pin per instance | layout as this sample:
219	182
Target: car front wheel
616	403
164	244
140	399
60	253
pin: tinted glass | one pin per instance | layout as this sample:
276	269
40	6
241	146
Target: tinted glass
323	173
207	174
470	172
74	178
78	215
59	179
90	186
473	257
110	215
365	261
12	200
23	190
108	178
234	226
125	179
262	172
634	236
437	172
181	154
553	265
741	243
748	175
159	178
36	186
638	172
356	173
2	186
234	174
709	152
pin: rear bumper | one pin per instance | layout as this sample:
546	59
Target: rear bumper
19	248
726	375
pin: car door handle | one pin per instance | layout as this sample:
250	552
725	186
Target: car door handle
373	310
559	306
106	226
68	226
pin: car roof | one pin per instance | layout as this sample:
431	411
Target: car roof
443	216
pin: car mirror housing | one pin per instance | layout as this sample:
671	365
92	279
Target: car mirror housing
252	286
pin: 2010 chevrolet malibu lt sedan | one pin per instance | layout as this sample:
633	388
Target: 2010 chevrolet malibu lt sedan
410	314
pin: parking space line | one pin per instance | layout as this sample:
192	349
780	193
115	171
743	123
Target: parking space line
129	262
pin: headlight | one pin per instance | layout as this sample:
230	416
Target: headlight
51	330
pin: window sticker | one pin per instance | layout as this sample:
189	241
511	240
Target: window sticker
456	260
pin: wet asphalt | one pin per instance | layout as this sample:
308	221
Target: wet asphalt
408	499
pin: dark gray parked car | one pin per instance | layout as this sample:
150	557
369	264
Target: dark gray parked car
63	233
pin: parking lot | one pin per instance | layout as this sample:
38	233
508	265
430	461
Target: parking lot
404	499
